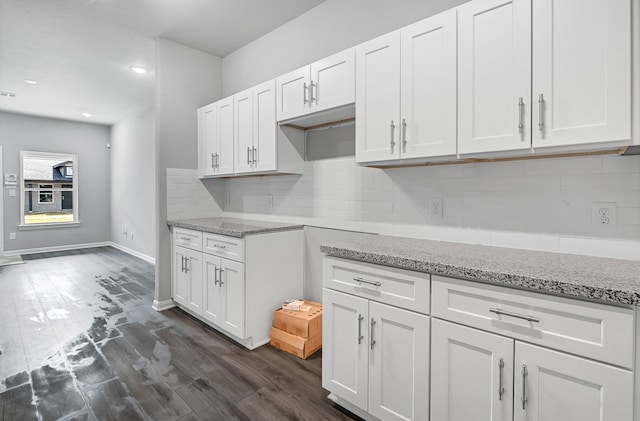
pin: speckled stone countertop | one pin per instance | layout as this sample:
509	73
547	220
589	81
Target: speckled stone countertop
610	280
232	227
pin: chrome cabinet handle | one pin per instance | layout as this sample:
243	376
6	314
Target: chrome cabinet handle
524	399
215	276
218	160
220	246
255	160
392	143
182	264
212	163
404	135
313	98
304	93
541	112
221	270
516	315
366	281
360	318
185	238
248	153
520	115
373	341
500	384
186	264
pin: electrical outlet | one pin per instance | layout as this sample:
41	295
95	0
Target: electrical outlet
12	236
435	207
124	232
604	214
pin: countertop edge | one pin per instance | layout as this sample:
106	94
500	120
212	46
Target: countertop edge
231	232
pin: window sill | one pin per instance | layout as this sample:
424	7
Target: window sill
27	227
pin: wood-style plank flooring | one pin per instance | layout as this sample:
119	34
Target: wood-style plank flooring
80	341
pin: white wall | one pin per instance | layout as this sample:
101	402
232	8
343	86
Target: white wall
326	29
89	142
186	80
133	183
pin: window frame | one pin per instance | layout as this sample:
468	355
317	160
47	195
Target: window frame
73	181
46	189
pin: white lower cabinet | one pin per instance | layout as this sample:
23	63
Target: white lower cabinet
472	374
496	375
187	274
375	358
235	284
224	293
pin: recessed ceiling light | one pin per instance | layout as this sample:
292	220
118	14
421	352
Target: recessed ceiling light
138	69
87	115
30	82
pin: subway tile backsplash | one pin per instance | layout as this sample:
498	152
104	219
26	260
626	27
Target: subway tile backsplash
538	202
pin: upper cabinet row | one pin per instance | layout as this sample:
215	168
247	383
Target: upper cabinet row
488	78
496	76
239	135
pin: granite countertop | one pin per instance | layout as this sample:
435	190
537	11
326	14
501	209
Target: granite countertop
614	281
232	227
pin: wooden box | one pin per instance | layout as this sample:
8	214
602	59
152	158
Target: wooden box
307	324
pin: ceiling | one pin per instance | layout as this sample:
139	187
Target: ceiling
79	51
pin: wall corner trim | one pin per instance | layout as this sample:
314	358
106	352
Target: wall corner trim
163	305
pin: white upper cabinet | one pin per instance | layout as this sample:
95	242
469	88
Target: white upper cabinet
265	128
406	92
323	85
207	141
378	98
428	87
224	137
494	76
243	131
581	71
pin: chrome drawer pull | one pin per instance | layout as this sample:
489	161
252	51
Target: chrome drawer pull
360	318
219	246
516	315
501	385
253	155
215	276
185	238
392	142
524	399
221	270
520	115
248	154
373	341
182	264
365	281
541	112
186	264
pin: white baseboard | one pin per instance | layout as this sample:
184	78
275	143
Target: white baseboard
133	252
163	305
56	248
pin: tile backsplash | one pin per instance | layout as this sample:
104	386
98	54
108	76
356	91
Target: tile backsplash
541	204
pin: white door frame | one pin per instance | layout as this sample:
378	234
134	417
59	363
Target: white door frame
1	203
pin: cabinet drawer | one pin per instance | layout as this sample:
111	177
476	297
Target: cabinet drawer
398	287
593	330
187	238
221	245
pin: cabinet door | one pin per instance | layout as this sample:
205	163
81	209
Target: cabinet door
264	127
469	368
243	131
180	285
494	73
207	144
562	387
398	363
232	283
293	94
333	81
193	269
428	87
345	347
582	67
212	305
378	99
224	130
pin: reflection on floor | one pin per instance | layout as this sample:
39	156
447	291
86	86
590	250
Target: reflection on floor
81	342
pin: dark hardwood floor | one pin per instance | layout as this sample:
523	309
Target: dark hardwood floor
80	341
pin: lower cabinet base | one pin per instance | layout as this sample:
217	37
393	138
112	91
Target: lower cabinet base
250	343
352	408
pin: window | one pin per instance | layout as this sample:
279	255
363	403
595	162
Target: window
49	189
45	197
